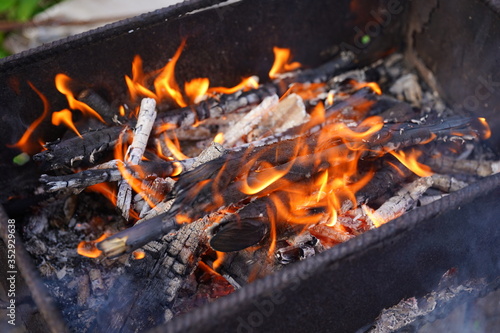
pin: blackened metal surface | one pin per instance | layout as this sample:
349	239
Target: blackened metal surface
224	43
344	289
460	43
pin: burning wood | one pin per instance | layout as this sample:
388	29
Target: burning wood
284	180
146	118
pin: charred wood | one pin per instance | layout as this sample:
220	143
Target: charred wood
80	180
76	151
100	105
449	164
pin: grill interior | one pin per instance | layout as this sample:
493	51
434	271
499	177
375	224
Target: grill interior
347	287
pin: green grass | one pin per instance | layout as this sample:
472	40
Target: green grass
20	11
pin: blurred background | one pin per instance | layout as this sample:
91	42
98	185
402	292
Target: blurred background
25	24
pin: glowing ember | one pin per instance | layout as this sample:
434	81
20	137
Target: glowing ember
282	58
65	117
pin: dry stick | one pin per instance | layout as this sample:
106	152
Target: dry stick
80	180
396	206
38	290
447	183
145	121
447	164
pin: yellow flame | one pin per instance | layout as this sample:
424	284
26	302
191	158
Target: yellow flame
196	88
246	83
24	143
219	138
65	117
88	248
62	85
165	84
282	63
410	161
487	131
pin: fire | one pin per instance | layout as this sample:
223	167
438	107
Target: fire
220	259
89	249
486	128
139	254
174	148
62	85
262	180
196	89
165	84
65	117
106	190
373	216
410	161
372	85
282	58
24	143
135	183
136	84
219	138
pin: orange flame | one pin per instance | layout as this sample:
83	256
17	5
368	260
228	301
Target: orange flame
246	83
24	144
219	138
411	162
106	190
136	84
263	179
196	89
139	254
65	117
165	84
88	248
373	216
135	183
282	63
62	85
220	259
486	128
174	148
372	85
